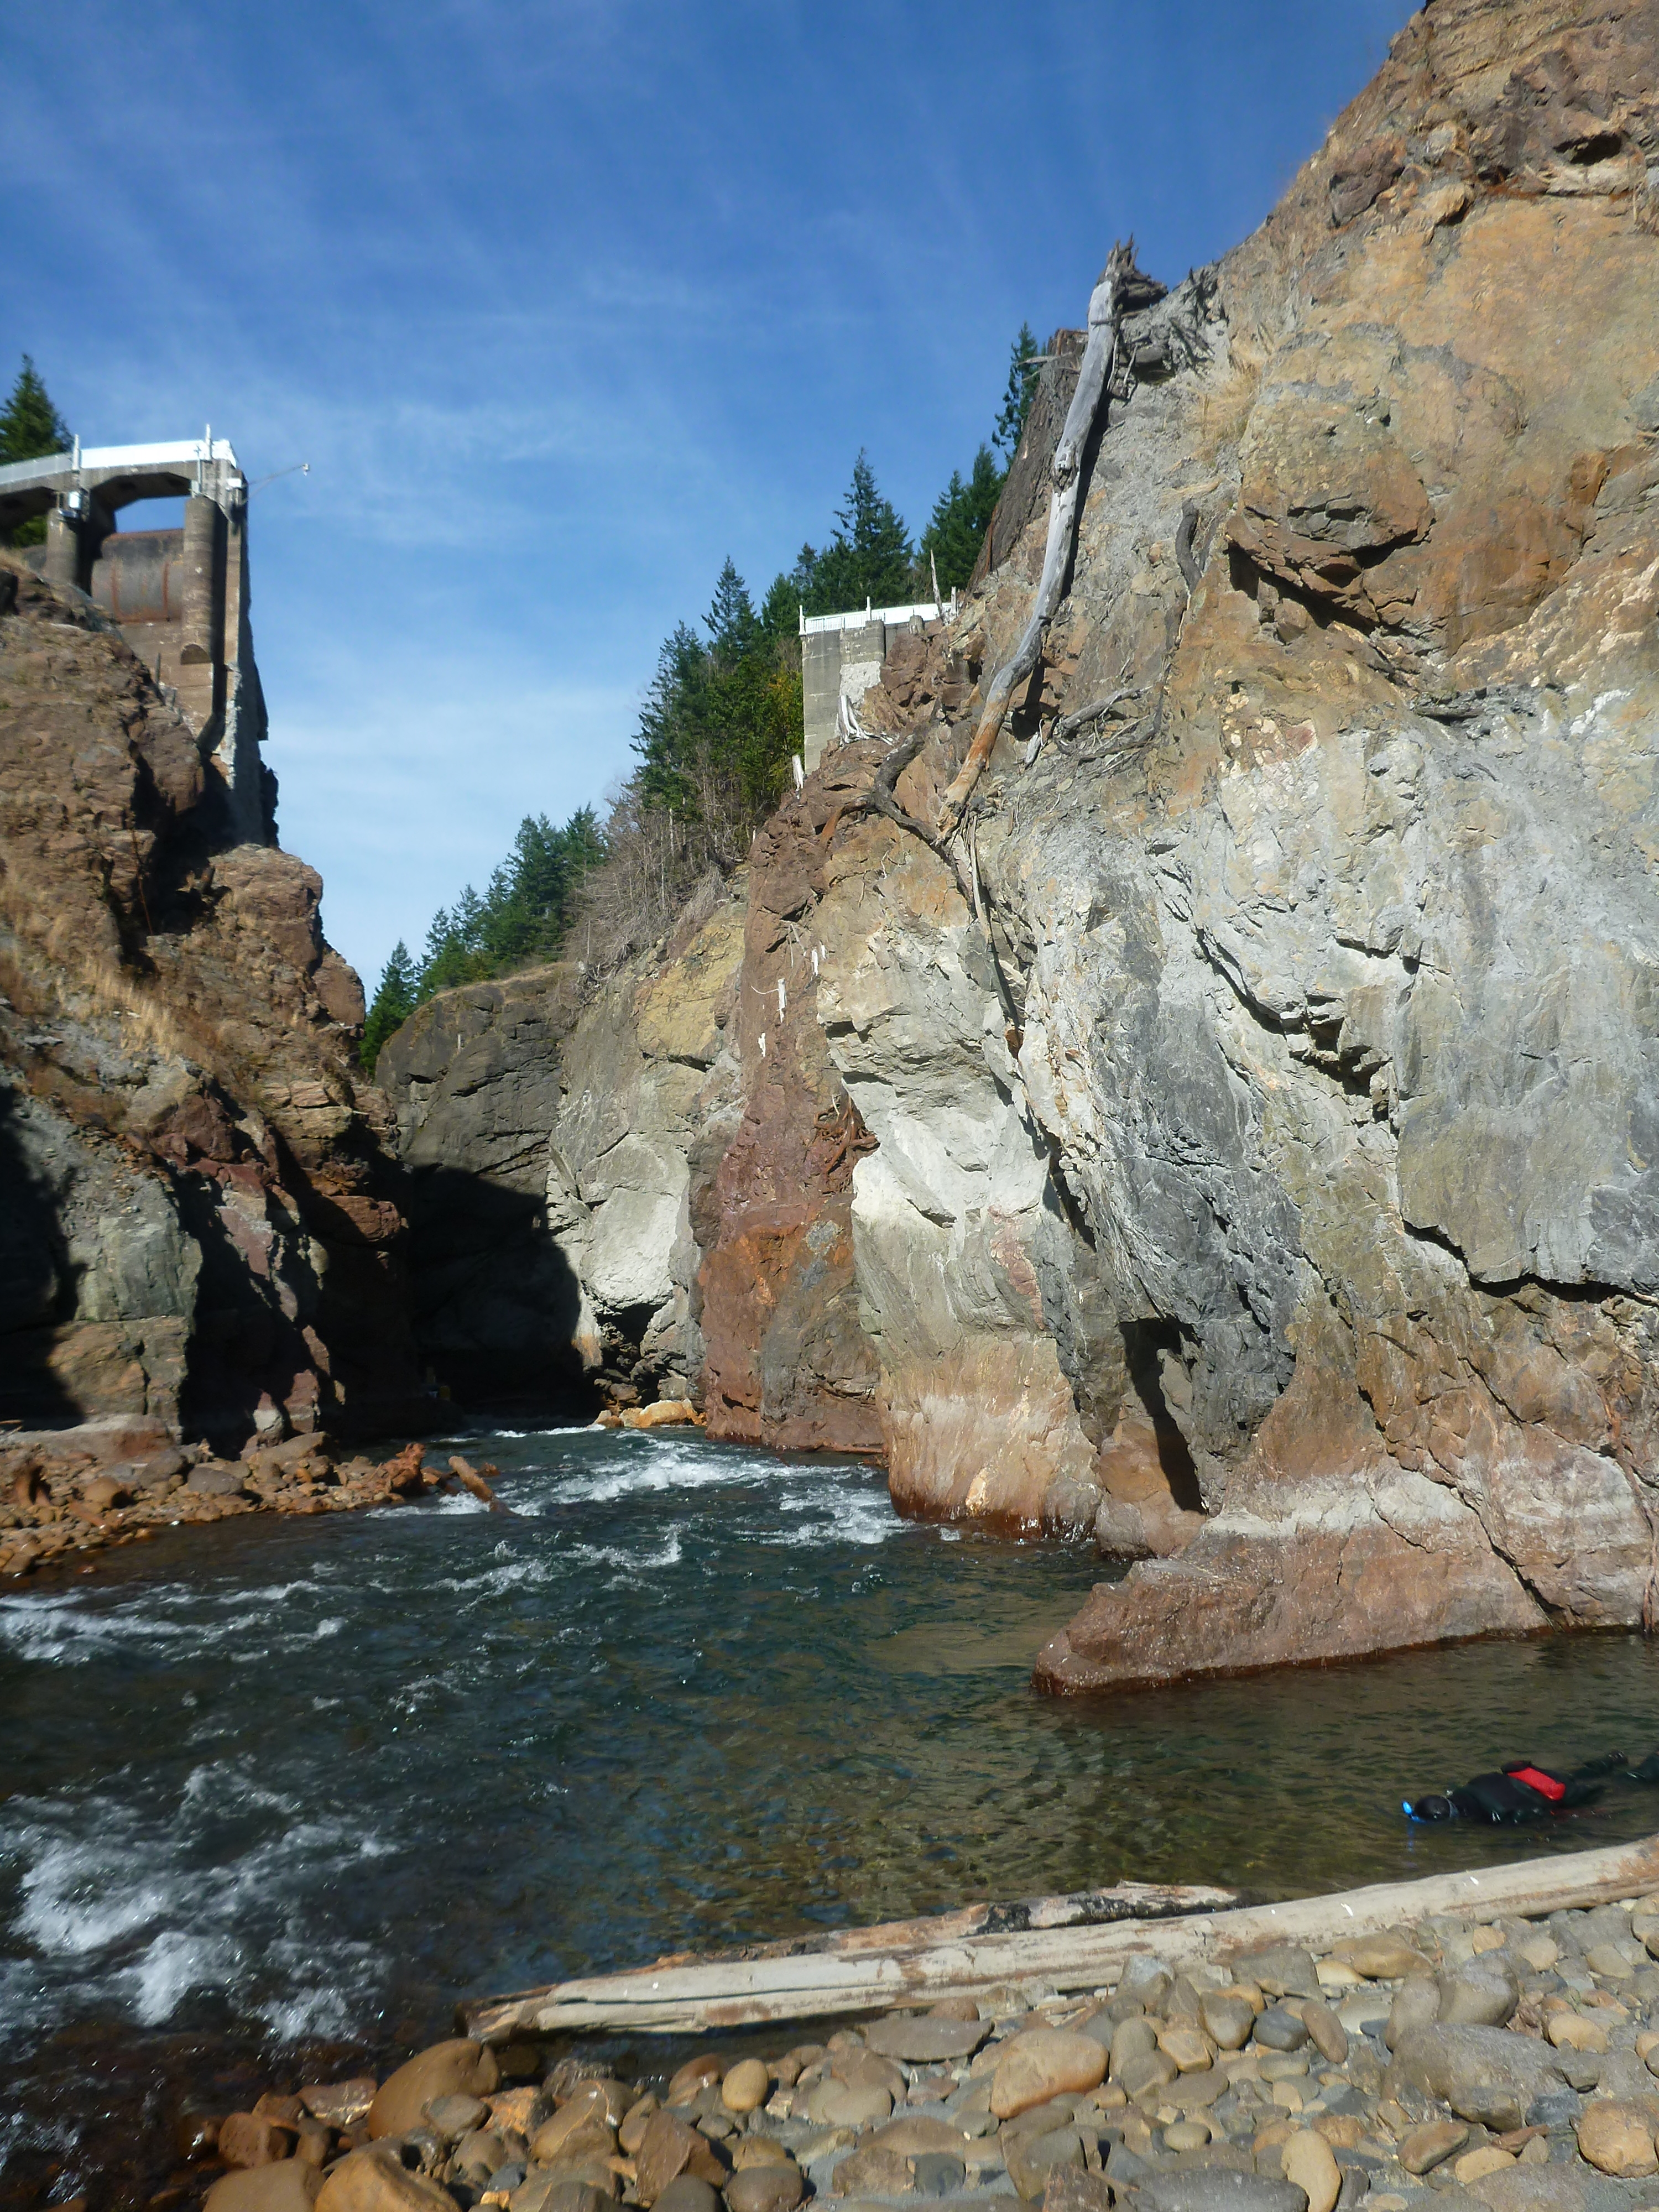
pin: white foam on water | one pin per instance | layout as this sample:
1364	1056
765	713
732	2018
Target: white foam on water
629	1563
139	1904
841	1515
659	1465
175	1964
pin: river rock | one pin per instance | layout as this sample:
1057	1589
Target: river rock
746	2087
211	1481
1031	2156
937	2173
631	2132
1478	2164
1044	2062
1416	2004
914	2133
869	2172
1311	2163
455	2068
837	2104
1534	2189
1190	2048
544	2192
1484	2074
1610	1961
1218	2189
1380	1958
1283	1970
580	2128
1229	2020
774	2187
374	2181
1572	2031
1069	2189
1618	2139
1134	2037
1192	2093
1325	2031
287	2185
696	2073
670	2147
453	2117
926	2039
688	2193
1425	2147
339	2104
248	2140
1482	1994
1147	2070
1276	2029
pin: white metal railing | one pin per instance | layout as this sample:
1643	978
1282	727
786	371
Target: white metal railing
816	625
184	453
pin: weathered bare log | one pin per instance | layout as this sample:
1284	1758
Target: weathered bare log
1105	310
919	1962
870	1949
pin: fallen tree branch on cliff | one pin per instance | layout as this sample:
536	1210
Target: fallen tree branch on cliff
1121	285
881	799
919	1962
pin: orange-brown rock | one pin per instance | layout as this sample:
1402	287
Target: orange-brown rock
200	1198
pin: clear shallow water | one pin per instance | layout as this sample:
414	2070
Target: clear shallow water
318	1778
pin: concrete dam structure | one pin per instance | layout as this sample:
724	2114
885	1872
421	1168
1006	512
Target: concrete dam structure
841	656
179	596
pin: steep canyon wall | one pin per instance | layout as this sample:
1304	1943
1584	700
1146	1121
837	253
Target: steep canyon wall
1240	1140
199	1225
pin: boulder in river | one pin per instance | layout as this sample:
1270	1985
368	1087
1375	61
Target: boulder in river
458	2067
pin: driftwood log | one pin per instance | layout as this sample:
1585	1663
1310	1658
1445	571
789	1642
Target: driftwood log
919	1962
1120	284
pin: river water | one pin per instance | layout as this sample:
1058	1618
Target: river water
312	1780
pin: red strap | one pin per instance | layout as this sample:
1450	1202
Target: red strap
1545	1784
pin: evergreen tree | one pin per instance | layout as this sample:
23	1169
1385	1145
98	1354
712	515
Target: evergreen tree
961	517
1017	399
719	722
792	589
732	623
31	428
869	558
394	1002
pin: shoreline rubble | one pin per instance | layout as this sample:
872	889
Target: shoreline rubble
1471	2055
66	1494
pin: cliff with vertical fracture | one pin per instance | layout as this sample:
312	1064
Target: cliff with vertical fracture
1237	1137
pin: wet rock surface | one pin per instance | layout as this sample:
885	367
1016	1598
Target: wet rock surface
61	1499
1050	2099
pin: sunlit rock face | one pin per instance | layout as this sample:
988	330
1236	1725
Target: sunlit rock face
200	1221
1286	1206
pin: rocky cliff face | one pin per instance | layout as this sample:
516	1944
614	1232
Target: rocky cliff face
561	1151
1328	938
197	1207
1239	1140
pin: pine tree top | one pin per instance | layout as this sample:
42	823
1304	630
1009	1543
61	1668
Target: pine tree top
31	427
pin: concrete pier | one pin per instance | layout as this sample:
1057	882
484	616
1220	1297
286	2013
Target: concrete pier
841	656
180	596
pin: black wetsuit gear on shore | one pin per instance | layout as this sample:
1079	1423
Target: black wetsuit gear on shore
1524	1790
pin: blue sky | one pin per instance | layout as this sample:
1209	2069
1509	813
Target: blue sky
565	303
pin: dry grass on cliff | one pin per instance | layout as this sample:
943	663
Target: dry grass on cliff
655	870
50	964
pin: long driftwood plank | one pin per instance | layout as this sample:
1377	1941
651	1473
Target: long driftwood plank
857	1974
672	1996
1138	1901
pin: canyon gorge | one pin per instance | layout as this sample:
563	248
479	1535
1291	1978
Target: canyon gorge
1232	1140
